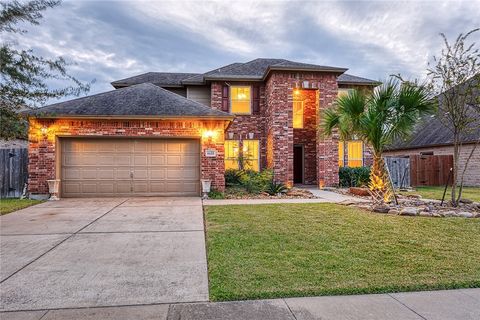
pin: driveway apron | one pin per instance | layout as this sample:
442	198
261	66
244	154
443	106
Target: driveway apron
77	253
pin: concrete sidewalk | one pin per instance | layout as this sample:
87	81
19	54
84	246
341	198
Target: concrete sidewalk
463	304
322	196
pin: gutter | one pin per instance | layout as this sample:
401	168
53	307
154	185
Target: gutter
134	117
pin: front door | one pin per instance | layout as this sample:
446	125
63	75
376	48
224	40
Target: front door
298	164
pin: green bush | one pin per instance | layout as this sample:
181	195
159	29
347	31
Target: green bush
251	181
215	194
354	177
232	177
274	188
255	182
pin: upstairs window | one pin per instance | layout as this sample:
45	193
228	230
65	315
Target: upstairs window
240	100
298	108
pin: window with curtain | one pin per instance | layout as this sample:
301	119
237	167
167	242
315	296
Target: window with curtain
298	107
355	153
251	154
240	100
341	154
231	154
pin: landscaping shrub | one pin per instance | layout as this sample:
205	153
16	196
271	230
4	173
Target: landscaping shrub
274	188
255	182
232	177
215	194
251	181
354	177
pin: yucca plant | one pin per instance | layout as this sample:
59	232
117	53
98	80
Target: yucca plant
390	112
274	188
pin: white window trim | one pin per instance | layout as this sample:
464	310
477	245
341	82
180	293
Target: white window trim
230	98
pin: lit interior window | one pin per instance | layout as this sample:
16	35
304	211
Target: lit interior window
343	92
341	154
251	154
240	102
231	154
298	107
355	153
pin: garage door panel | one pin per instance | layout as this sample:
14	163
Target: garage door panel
124	146
140	160
122	160
157	159
109	167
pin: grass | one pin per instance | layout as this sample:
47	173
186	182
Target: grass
10	205
287	250
472	193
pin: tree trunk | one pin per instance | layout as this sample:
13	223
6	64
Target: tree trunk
456	152
379	185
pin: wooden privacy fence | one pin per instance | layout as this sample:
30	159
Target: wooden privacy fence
429	170
13	172
399	169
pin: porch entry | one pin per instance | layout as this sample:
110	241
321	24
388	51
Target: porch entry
298	163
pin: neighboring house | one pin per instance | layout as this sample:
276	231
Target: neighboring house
160	133
431	137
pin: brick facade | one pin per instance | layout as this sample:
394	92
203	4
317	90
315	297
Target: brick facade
273	126
43	157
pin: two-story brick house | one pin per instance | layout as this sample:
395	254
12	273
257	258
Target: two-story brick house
160	133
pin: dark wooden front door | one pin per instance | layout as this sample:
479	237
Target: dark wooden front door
298	164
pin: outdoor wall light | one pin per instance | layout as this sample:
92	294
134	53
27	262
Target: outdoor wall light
44	130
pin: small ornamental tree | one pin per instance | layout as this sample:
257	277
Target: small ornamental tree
455	80
389	113
23	75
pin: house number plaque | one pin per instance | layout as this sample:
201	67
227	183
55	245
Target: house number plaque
210	153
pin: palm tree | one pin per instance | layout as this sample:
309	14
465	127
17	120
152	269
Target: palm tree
379	118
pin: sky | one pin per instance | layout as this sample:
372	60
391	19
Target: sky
111	40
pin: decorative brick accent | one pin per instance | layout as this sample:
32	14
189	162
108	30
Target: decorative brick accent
273	126
42	148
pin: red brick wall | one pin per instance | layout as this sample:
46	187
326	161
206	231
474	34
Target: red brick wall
273	126
42	148
242	125
279	95
307	136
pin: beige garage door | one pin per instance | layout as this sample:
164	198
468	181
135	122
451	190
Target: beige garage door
130	167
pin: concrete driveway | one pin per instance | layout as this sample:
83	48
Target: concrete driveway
77	253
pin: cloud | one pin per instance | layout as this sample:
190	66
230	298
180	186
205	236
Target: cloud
110	40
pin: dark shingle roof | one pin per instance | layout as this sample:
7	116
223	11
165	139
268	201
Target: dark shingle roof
431	132
252	70
137	100
258	69
350	79
163	79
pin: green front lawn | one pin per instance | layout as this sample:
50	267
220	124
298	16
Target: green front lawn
286	250
472	193
10	205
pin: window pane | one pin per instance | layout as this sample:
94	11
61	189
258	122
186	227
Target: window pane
231	154
251	154
240	99
298	114
341	154
343	92
355	154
